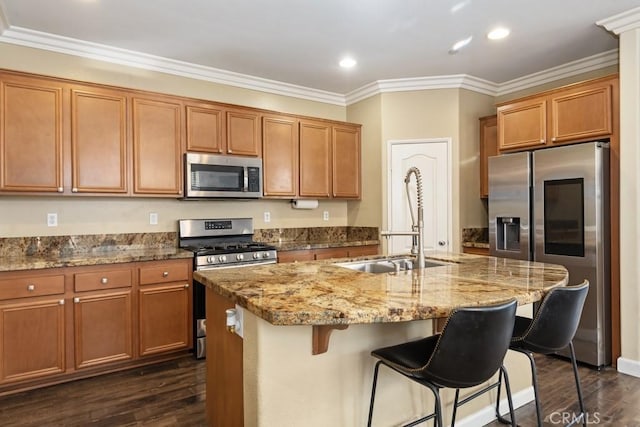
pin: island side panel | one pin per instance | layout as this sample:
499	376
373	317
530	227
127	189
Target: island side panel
224	366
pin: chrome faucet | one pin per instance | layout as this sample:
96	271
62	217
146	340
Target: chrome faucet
417	227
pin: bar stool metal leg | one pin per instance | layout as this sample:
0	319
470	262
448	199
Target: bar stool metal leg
373	392
583	413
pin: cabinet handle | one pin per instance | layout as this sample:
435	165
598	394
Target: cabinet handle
542	141
60	189
61	302
229	150
74	190
104	280
76	300
186	286
165	274
31	288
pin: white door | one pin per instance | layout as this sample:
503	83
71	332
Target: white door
433	159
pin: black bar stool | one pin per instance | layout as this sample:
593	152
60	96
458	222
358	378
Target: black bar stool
552	329
469	351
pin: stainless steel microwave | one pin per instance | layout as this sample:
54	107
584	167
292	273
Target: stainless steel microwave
215	176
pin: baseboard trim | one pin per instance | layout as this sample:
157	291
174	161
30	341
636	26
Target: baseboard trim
629	367
487	414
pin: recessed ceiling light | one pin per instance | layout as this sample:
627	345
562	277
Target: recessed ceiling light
498	33
460	44
348	63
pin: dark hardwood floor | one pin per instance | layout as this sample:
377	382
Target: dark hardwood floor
173	394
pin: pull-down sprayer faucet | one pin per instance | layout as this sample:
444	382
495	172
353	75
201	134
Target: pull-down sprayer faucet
417	227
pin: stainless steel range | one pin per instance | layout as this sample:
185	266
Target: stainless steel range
219	243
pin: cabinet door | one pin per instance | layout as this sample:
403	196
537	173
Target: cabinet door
488	148
328	253
581	114
522	124
32	340
103	328
205	128
315	159
280	156
30	135
157	147
346	162
355	251
98	141
243	133
165	318
295	256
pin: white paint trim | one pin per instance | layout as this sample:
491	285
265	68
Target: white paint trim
622	22
100	52
487	414
66	45
449	142
629	367
595	62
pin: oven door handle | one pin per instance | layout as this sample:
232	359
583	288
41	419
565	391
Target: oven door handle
248	264
245	179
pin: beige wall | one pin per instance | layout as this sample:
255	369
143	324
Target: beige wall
26	216
629	201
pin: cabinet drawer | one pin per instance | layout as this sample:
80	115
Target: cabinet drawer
34	286
169	272
102	280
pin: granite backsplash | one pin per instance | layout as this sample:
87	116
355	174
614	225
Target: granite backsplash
317	234
475	235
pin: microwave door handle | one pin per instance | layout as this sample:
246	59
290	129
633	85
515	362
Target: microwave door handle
246	179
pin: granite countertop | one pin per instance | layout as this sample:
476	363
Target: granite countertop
32	262
320	293
295	246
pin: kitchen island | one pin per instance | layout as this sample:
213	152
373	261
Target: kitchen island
271	376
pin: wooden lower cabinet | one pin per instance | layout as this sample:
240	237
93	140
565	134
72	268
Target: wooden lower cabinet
65	323
103	328
475	251
164	318
327	253
32	339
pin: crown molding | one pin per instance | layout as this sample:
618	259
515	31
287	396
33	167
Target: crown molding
569	69
66	45
70	46
625	21
4	21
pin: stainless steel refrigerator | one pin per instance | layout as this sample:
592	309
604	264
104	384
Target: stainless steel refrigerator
552	205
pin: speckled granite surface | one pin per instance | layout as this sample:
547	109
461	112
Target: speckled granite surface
69	251
319	293
289	239
475	237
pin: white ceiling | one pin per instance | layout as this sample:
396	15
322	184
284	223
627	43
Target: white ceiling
299	42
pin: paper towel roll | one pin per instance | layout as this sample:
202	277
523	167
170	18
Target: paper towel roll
304	204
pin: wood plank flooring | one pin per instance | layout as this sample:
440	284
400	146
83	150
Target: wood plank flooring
173	394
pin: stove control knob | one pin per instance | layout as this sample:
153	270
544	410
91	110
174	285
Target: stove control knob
222	258
256	255
239	257
265	255
211	259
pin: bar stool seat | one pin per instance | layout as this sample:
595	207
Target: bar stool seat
468	352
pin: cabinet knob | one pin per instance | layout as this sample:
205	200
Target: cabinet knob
104	280
229	150
553	139
186	286
60	189
31	288
74	190
76	300
61	302
542	141
165	274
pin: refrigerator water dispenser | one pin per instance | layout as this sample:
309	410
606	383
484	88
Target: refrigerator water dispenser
508	238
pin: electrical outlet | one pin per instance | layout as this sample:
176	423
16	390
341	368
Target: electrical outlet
325	215
153	218
267	217
52	219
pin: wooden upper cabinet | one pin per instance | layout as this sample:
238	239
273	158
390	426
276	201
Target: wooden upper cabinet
243	133
157	147
31	134
346	162
280	156
522	124
488	148
581	113
315	159
99	149
205	126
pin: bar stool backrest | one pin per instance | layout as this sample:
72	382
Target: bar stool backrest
472	345
556	320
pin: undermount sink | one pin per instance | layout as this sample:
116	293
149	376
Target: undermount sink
385	265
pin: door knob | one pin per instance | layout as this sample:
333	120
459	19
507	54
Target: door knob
442	243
